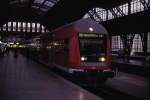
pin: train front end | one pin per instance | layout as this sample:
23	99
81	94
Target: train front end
93	51
94	54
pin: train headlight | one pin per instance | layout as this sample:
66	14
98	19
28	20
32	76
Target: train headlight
83	58
102	59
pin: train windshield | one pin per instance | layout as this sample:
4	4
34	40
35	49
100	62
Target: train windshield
92	44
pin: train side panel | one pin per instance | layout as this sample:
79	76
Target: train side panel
70	57
70	43
108	53
74	52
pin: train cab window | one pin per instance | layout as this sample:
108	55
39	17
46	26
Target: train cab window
92	45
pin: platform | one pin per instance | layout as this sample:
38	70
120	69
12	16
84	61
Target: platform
131	84
133	62
24	79
137	67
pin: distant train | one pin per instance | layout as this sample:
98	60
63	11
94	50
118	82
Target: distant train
81	47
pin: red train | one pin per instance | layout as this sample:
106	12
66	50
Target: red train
81	47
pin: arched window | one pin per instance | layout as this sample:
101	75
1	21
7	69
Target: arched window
43	29
137	44
116	43
14	26
19	26
4	27
24	26
33	27
38	27
28	27
136	6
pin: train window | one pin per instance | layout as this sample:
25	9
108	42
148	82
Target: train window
137	44
59	46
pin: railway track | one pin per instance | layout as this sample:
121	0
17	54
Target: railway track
109	93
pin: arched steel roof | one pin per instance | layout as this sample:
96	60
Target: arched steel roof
51	13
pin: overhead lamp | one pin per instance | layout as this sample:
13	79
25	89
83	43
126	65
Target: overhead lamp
91	29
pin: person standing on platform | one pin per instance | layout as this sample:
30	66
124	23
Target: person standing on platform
127	54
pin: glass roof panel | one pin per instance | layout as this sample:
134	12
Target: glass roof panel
36	7
43	9
18	3
24	0
40	6
43	6
38	1
13	1
48	3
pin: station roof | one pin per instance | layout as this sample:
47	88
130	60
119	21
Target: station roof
51	13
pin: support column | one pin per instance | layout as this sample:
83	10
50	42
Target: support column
36	27
129	8
16	26
127	40
2	28
40	28
11	29
144	38
7	27
106	15
30	27
21	26
26	27
44	30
